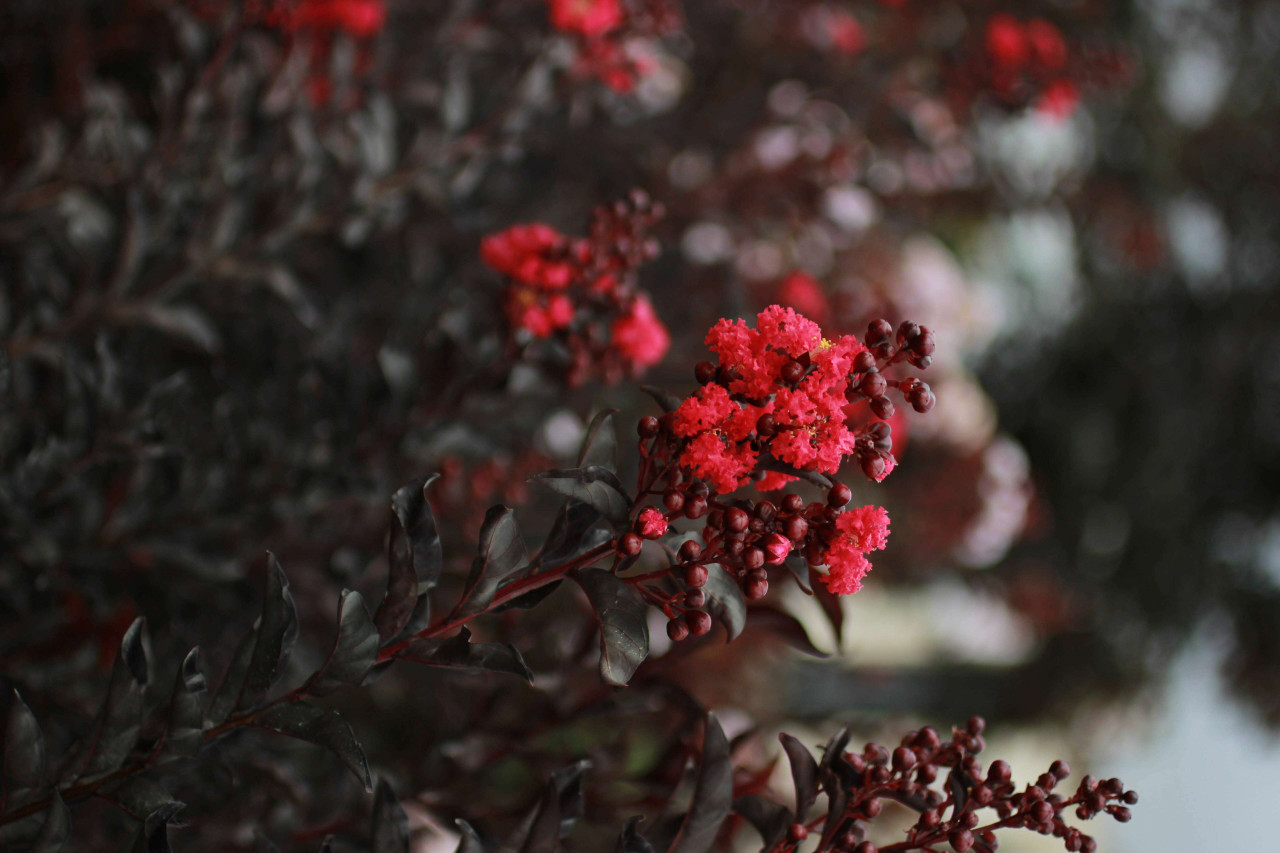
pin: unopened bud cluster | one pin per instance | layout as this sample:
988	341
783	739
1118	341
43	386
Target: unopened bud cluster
960	802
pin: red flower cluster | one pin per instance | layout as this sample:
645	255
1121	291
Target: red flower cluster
783	390
773	409
590	18
1027	58
602	30
582	292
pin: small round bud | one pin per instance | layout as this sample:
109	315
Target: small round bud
695	598
648	426
755	588
796	528
696	576
677	629
907	331
734	547
696	506
792	372
689	551
630	544
866	847
1042	811
792	503
1088	845
922	400
753	557
1121	814
715	518
766	511
872	466
736	520
839	495
704	372
699	622
797	832
969	820
873	384
878	331
981	795
767	425
1130	798
873	806
883	407
903	758
863	362
1060	769
976	725
961	839
673	500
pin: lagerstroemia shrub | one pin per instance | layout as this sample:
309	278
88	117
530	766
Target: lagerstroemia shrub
256	272
773	409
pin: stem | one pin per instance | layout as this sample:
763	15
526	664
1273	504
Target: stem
505	594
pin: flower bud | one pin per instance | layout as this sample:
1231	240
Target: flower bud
696	576
648	426
878	331
629	545
796	528
792	372
776	546
699	622
677	629
755	589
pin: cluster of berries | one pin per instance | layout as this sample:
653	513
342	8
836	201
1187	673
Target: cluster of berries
772	410
604	30
579	295
1027	62
907	773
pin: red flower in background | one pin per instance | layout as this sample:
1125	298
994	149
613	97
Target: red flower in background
583	290
639	336
591	18
360	18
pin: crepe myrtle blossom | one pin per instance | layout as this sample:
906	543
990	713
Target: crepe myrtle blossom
774	407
